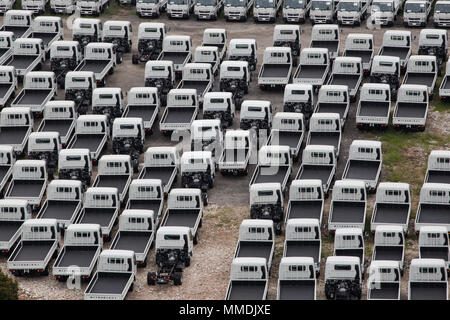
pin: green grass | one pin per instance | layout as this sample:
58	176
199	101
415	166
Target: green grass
18	4
113	8
437	104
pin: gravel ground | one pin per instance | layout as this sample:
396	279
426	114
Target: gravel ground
208	275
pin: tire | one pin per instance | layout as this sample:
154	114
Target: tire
278	229
187	263
150	281
134	60
177	278
196	238
144	263
131	288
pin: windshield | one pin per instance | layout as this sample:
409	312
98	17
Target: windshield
321	5
178	1
235	3
348	6
264	3
148	1
444	8
206	2
293	4
415	7
382	7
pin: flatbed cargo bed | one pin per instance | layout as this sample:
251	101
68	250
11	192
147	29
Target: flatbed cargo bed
162	173
200	86
61	125
331	45
181	218
4	87
385	291
297	289
179	114
33	250
426	79
32	96
374	109
96	66
275	70
247	290
411	110
21	61
26	188
391	253
109	282
45	36
348	212
392	213
13	135
307	71
305	210
446	81
362	170
365	55
131	240
59	210
428	291
175	57
8	229
325	107
434	213
255	249
434	253
359	253
303	248
440	176
235	155
309	171
325	139
101	216
154	205
402	53
3	172
286	138
18	31
278	176
350	80
87	141
112	181
139	111
4	50
80	256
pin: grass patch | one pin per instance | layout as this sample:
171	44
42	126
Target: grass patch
112	8
437	104
18	5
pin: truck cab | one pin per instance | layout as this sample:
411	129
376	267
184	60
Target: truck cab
150	8
208	54
374	106
438	170
16	125
28	54
441	13
207	135
383	282
288	129
288	36
220	106
128	137
198	76
389	244
422	70
150	39
180	8
248	279
256	115
86	30
296	10
266	202
314	67
360	45
326	36
177	48
144	103
7	160
8	83
397	43
433	206
237	9
119	33
434	244
45	146
49	29
427	280
266	10
36	6
434	42
161	75
92	8
6	45
299	98
306	200
296	279
322	11
207	9
244	50
276	69
75	164
384	12
63	6
347	71
343	278
416	13
215	37
349	242
235	77
351	12
18	22
79	86
13	213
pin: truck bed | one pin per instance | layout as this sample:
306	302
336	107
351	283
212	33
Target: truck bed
3	171
325	139
3	51
26	188
390	253
181	218
247	290
434	213
45	36
235	155
33	250
34	96
324	107
88	141
446	81
362	170
365	55
275	70
200	86
428	290
179	115
392	213
395	52
420	78
17	30
20	61
175	57
8	229
374	109
385	291
144	112
13	135
297	289
114	181
440	176
109	282
350	80
305	210
101	216
359	253
80	256
278	176
4	87
434	253
348	212
331	45
131	240
162	173
255	249
59	210
286	138
145	204
62	126
315	172
303	248
95	66
311	71
411	110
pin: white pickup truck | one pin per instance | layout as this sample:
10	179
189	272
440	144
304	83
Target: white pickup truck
347	71
28	55
416	13
438	170
314	67
249	279
49	29
7	160
326	36
427	280
288	129
181	110
296	279
411	109
177	49
374	106
197	76
397	43
334	99
434	206
422	70
352	12
325	130
238	148
276	68
8	84
6	45
360	45
16	124
13	213
18	22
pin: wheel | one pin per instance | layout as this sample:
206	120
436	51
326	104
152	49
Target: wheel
187	263
196	238
111	71
200	224
134	60
177	278
45	273
131	287
144	263
151	278
278	229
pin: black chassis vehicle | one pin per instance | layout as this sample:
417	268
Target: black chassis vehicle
238	87
148	49
81	97
60	66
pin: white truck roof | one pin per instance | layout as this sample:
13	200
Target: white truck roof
388	228
306	182
116	22
183	191
64	183
115	157
44	134
349	231
342	259
248	261
15	110
46	18
302	222
383	264
256	223
349	183
97	190
105	45
440	263
28	40
6	148
234	63
183	91
233	42
288	115
128	121
26	162
109	253
171	230
326	115
39	222
83	227
253	103
421	58
7	68
75	151
314	147
393	186
107	90
440	229
137	213
366	143
265	186
377	59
